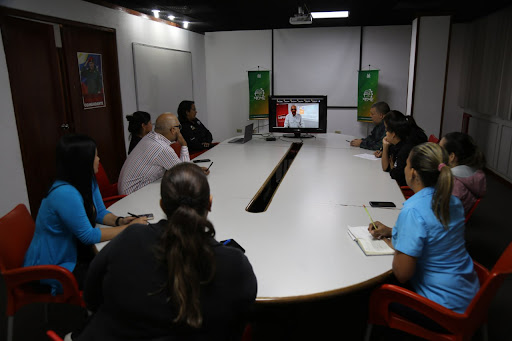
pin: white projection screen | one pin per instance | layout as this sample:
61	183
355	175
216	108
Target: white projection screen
318	61
163	78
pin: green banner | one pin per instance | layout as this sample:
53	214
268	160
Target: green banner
366	94
259	90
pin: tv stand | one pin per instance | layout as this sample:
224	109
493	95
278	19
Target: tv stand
298	135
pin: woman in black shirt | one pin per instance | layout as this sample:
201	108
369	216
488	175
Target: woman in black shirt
198	137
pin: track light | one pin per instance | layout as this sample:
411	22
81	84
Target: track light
156	13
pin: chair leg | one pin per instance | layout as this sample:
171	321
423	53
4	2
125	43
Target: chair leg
485	334
10	327
368	334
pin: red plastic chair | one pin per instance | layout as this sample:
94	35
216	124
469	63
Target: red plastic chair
407	192
470	213
460	326
16	232
108	191
433	138
53	336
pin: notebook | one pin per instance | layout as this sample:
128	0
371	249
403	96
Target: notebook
247	135
367	243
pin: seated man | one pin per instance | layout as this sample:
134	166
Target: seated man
293	120
374	140
153	155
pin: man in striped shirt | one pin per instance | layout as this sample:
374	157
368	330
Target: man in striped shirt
153	155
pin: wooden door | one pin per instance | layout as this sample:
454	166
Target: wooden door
34	75
105	123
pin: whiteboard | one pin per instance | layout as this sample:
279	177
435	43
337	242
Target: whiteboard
163	78
318	61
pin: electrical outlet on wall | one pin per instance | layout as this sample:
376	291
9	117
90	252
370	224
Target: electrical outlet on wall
239	130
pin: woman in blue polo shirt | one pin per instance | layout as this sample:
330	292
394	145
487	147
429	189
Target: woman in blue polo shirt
429	234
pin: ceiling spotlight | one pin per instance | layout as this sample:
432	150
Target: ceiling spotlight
185	24
171	17
156	13
326	15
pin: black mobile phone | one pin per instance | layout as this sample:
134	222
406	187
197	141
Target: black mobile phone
201	160
232	243
147	215
382	204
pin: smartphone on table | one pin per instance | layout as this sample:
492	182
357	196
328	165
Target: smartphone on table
382	204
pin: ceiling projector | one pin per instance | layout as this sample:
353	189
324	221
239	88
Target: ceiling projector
301	19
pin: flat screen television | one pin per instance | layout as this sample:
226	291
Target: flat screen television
310	115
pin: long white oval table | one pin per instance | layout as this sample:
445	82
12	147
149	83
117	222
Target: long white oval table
299	248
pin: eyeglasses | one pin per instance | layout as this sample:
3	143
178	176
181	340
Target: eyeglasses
294	109
179	127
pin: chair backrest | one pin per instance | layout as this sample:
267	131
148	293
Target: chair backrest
106	188
433	138
176	146
16	232
479	306
470	212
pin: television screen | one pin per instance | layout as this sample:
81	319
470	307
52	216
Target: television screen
299	115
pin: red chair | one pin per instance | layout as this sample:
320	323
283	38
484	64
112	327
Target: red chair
470	213
460	326
108	191
407	192
176	146
433	138
16	231
53	336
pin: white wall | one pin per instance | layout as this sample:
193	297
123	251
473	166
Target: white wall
429	83
129	29
229	55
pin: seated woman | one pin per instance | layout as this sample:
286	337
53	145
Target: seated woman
467	162
402	134
198	137
139	124
428	236
171	280
70	210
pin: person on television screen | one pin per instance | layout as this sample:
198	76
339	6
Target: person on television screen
293	120
374	140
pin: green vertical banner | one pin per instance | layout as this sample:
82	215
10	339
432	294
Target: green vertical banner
366	94
259	90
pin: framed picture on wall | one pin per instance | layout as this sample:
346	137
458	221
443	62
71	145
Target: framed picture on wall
91	79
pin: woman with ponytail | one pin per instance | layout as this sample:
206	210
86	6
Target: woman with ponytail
428	236
466	161
402	134
139	125
171	280
65	224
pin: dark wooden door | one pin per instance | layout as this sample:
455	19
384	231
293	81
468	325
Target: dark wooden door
103	124
34	75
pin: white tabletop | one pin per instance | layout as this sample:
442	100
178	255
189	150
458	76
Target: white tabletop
299	247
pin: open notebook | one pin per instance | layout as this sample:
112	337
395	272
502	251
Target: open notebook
369	245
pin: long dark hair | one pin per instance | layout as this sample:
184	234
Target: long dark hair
465	149
185	246
431	162
182	110
403	126
136	120
75	164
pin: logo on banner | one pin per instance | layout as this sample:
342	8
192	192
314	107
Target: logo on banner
259	94
368	95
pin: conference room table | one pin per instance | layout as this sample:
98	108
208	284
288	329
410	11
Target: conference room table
299	247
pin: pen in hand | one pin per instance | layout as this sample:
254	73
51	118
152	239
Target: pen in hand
133	215
374	226
209	166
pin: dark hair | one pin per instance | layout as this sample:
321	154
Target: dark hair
403	126
426	159
136	120
465	149
182	110
381	107
75	164
185	246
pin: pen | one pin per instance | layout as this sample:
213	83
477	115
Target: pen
347	140
209	166
133	215
226	241
374	227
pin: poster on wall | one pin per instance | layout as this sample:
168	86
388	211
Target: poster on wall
366	94
91	79
259	90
